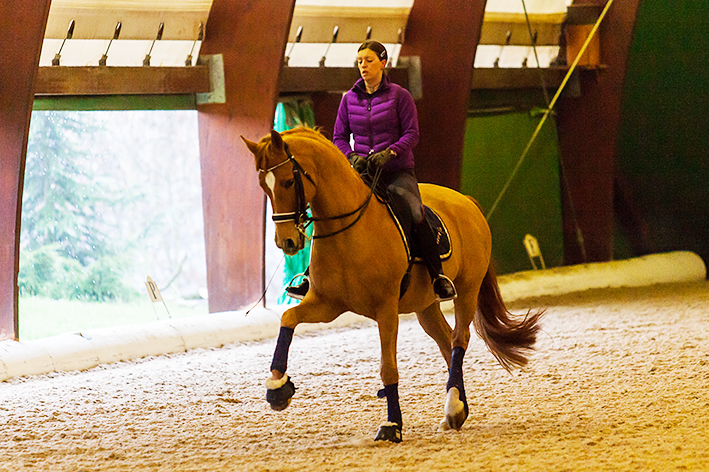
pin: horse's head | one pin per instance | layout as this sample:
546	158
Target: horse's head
287	185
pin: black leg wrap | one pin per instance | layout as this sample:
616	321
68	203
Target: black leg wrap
391	430
391	393
455	377
280	356
279	398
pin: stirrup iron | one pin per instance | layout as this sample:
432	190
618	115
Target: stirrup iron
446	297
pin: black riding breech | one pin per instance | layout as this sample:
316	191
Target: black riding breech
404	186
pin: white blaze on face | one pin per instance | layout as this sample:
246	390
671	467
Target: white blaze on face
270	180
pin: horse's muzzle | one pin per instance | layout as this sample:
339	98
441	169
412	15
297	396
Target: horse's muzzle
290	247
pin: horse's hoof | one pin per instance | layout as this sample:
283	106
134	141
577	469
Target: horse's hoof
456	411
280	406
389	432
279	397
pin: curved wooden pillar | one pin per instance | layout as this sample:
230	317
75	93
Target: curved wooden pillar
251	36
588	130
445	34
325	107
22	26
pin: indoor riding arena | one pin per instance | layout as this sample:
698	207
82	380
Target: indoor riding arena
144	323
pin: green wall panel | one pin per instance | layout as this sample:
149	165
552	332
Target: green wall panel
493	146
664	136
116	102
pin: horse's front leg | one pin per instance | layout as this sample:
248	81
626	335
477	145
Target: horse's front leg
279	387
388	332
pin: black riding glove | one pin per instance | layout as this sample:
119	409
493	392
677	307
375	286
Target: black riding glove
359	163
382	157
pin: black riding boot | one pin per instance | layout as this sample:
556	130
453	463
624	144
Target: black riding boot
442	285
298	291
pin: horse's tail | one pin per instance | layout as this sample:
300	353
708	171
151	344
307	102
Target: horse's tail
510	340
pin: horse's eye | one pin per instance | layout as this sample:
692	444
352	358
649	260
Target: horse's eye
288	183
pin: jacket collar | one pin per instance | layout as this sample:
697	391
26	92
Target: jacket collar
360	88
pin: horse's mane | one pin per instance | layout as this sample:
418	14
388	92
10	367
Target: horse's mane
306	131
309	133
300	132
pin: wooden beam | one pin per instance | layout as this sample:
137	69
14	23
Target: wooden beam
499	78
445	34
96	19
22	27
496	26
340	79
318	23
97	81
329	79
388	25
588	129
122	80
251	37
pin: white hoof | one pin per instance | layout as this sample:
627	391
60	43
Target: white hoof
443	427
453	404
455	411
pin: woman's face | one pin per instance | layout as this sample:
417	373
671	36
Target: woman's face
370	66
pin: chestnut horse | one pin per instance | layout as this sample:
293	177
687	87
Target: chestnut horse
358	262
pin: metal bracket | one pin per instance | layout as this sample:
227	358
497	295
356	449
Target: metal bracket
413	67
217	93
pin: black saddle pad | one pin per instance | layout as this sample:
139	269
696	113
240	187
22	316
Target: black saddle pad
402	220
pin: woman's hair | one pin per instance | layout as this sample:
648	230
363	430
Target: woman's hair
376	47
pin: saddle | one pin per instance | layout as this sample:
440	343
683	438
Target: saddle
400	214
403	222
402	218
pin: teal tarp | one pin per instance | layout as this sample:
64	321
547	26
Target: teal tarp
290	115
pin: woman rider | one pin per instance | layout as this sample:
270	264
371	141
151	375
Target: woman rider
381	117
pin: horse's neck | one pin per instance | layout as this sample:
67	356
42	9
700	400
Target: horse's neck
340	191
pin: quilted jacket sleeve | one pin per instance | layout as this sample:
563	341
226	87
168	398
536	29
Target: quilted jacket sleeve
341	135
408	118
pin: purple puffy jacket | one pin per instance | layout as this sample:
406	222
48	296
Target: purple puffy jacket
386	118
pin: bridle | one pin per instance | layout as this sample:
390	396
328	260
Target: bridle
300	217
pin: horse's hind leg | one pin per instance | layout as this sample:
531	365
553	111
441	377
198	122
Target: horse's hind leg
435	325
456	408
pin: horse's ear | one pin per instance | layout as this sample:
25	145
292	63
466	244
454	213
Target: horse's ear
253	147
276	140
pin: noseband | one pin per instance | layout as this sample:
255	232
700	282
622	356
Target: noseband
300	217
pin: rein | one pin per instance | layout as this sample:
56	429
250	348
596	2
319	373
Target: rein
300	216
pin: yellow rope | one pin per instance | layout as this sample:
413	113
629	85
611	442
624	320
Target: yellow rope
548	111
